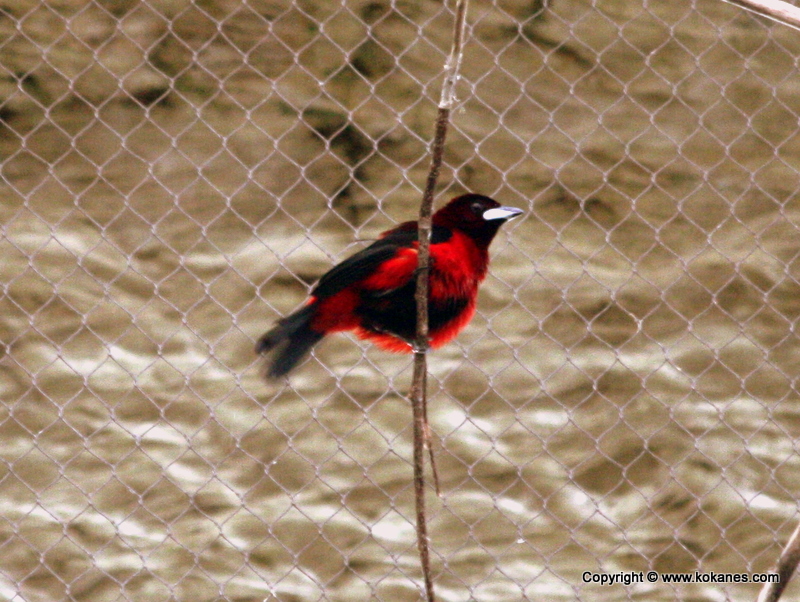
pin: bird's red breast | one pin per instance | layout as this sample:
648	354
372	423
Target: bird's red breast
458	266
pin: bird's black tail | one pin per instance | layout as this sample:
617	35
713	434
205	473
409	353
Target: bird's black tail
292	338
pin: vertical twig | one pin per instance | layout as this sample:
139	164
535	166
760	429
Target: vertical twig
419	379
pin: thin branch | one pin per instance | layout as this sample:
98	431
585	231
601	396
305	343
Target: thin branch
787	563
419	379
787	14
453	64
777	10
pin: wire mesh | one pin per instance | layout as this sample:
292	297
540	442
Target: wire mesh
176	175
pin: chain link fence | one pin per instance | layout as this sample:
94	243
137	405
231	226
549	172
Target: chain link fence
176	175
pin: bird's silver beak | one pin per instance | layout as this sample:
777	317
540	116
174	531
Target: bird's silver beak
503	213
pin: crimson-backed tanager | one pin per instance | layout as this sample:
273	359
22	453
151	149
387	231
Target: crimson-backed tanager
372	292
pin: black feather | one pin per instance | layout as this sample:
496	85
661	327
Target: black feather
364	263
293	338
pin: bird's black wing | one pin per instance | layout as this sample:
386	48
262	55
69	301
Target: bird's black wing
364	263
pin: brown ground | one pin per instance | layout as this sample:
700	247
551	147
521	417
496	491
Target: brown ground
175	175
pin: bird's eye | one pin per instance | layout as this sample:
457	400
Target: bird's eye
477	208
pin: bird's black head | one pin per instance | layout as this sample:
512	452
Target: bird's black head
476	215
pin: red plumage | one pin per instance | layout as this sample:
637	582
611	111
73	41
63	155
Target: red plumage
372	292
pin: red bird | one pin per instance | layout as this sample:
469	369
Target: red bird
372	292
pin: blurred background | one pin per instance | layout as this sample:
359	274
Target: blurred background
176	175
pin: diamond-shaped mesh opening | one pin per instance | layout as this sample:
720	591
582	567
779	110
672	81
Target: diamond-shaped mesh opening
176	176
